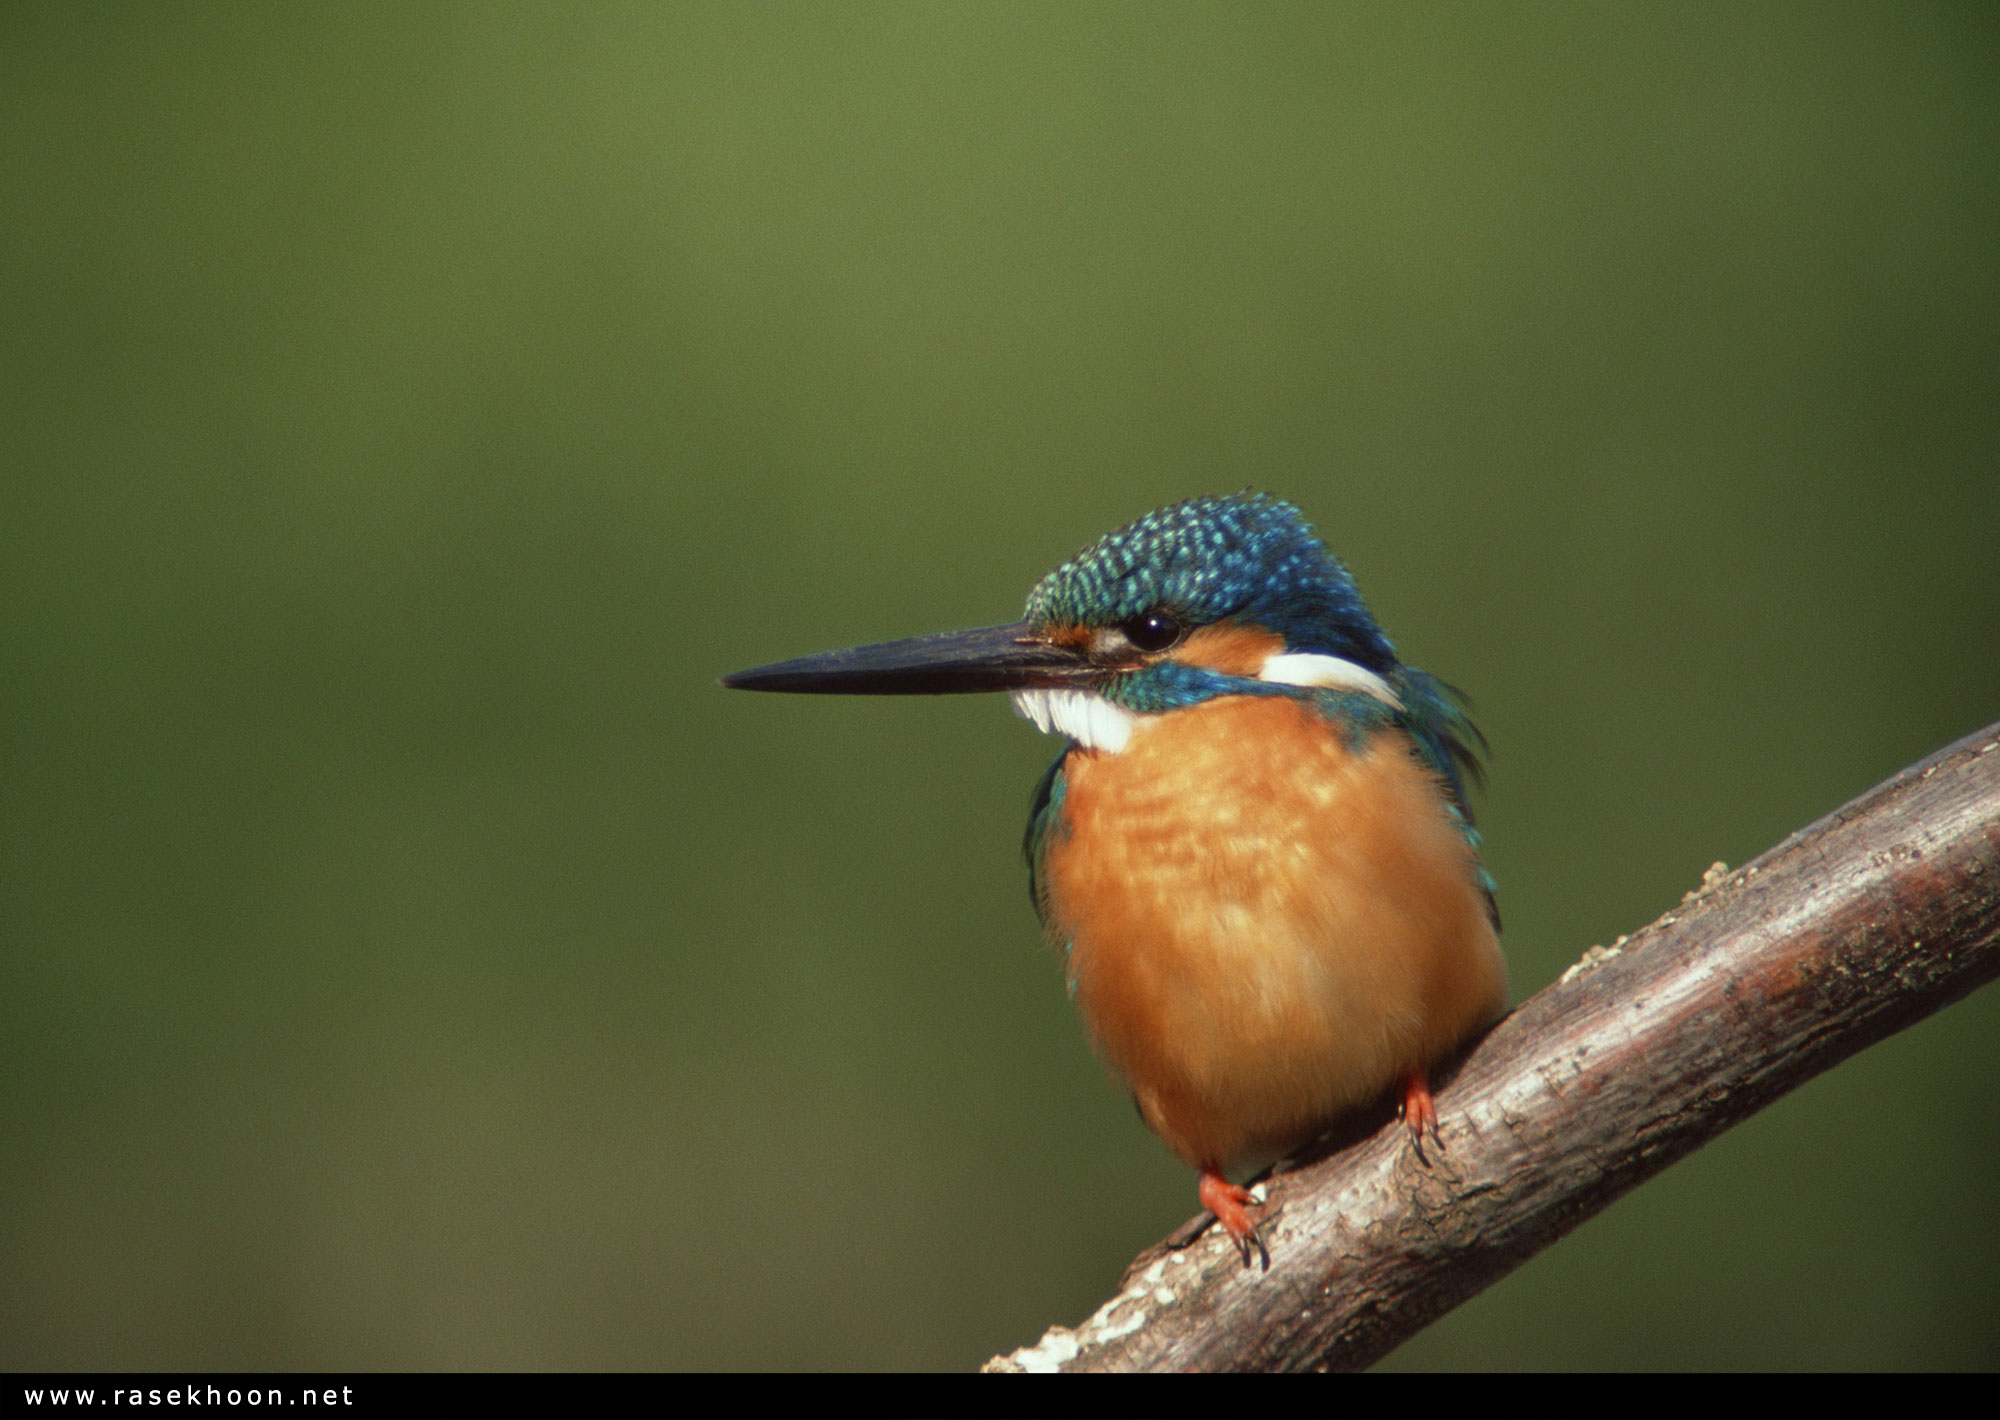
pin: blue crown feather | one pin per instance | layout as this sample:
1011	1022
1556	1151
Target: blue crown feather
1247	555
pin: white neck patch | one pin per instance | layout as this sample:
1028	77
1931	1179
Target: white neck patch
1083	715
1095	723
1326	673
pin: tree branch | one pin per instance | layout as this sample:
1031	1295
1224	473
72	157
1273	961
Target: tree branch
1871	919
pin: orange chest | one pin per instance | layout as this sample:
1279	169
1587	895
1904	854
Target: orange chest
1237	817
1266	923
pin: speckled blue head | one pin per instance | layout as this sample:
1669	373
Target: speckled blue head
1247	556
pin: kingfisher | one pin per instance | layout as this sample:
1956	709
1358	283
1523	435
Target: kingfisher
1254	850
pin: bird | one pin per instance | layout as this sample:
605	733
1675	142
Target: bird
1254	851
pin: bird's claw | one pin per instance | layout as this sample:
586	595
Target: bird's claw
1254	1240
1419	1112
1231	1204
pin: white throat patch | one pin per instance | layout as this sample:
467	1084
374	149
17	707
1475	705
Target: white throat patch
1326	673
1083	715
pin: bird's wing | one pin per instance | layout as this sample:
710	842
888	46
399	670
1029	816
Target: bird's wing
1044	820
1434	714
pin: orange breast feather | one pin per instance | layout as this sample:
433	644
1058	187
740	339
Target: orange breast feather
1268	928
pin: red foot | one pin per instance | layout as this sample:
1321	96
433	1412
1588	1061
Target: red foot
1420	1110
1230	1204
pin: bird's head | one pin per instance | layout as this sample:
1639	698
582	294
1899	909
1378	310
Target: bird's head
1214	596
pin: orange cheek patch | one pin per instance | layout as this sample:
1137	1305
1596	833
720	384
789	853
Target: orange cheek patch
1230	648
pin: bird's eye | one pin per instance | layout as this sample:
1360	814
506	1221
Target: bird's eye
1153	630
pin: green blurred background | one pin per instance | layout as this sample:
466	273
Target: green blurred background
412	959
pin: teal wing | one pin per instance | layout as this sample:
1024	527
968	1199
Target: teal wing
1044	821
1434	714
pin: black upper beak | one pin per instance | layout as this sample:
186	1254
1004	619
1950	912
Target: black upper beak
993	658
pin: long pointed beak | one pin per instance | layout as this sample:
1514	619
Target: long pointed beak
993	658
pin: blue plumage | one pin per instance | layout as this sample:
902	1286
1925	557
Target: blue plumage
1243	555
